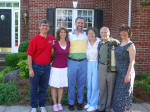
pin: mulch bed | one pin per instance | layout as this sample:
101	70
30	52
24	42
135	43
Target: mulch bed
140	95
24	93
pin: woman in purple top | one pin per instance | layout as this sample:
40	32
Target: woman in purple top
58	76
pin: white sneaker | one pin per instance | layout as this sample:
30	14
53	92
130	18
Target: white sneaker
43	109
33	110
86	106
91	109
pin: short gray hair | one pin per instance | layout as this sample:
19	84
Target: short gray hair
104	27
44	21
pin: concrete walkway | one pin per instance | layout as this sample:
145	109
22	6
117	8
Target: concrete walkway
143	107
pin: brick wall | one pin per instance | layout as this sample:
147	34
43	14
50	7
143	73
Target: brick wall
140	24
120	9
141	35
24	27
115	14
37	11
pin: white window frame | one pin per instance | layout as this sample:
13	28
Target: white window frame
74	16
13	10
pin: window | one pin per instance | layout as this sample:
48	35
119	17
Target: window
66	18
9	4
16	28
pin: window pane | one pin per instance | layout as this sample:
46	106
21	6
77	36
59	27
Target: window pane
16	36
15	4
79	13
89	19
70	18
69	24
89	24
64	12
59	12
8	4
84	13
70	12
89	13
16	29
2	4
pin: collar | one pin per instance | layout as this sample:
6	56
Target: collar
74	32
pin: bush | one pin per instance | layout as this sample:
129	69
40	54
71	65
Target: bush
14	58
23	65
23	46
8	93
5	71
141	76
143	81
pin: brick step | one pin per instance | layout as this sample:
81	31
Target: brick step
3	55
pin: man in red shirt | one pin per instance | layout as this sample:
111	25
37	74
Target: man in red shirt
39	57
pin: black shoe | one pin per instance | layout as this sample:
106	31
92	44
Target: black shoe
71	107
80	106
99	111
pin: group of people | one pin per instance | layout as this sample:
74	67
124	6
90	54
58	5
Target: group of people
104	65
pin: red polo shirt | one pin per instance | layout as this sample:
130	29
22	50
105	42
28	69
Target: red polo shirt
40	49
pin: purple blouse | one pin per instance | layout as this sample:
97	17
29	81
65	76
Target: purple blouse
61	55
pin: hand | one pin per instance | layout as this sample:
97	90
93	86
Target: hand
127	78
31	73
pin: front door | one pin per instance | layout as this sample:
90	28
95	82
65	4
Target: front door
5	28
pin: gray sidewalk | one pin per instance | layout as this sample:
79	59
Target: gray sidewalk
142	107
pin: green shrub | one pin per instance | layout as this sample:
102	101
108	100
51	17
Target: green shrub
23	46
143	81
5	71
14	58
8	93
142	76
23	65
64	100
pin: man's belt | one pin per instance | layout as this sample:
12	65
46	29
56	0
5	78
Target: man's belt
77	59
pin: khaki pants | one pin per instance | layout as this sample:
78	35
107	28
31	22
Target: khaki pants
107	81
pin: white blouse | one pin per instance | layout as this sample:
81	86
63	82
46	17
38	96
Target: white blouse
91	52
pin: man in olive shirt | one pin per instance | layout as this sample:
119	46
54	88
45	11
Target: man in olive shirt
107	77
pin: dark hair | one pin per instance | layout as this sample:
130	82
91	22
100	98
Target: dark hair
58	33
126	29
94	30
79	18
44	21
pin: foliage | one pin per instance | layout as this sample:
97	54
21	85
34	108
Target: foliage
9	93
142	76
145	4
64	100
143	81
23	46
23	65
14	58
5	71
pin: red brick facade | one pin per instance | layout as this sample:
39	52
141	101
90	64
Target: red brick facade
115	13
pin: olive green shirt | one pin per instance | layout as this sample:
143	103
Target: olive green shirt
104	53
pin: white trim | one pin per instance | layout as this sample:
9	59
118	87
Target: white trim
130	13
10	1
74	15
13	10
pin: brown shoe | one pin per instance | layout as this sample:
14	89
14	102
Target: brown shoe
71	107
80	106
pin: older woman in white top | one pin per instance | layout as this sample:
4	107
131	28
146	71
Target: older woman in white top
92	72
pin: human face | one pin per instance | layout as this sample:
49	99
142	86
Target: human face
104	32
44	28
80	25
62	34
124	35
91	35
